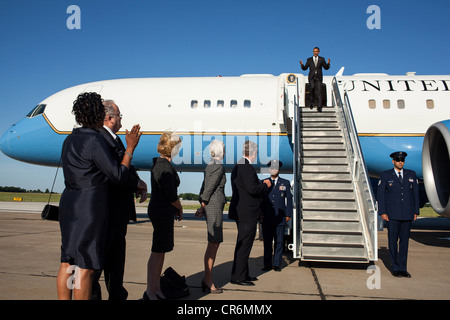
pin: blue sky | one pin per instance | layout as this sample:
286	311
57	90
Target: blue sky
40	56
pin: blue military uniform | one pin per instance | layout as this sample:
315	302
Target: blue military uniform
276	206
398	197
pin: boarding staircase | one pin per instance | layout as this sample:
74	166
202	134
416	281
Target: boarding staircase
335	216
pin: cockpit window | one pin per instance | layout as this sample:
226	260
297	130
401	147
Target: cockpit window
39	109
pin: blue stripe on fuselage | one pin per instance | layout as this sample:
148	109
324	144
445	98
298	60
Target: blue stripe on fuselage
33	140
376	150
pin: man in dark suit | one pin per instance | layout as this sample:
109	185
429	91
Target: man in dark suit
398	203
122	210
315	77
277	211
245	209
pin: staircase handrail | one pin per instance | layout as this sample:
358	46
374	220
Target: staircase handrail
360	175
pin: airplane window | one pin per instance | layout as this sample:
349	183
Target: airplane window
430	104
207	104
247	103
233	103
39	109
401	104
194	104
372	104
386	104
220	103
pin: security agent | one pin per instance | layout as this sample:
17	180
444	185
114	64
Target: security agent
277	211
398	203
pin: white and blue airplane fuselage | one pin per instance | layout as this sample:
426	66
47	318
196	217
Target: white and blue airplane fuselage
392	113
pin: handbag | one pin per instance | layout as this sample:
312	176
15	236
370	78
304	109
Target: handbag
51	212
173	285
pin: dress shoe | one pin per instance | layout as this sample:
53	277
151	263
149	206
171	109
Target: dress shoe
250	278
266	269
319	109
396	273
242	282
311	106
209	290
405	274
147	298
278	269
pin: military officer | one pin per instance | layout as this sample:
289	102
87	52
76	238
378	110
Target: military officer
398	203
276	211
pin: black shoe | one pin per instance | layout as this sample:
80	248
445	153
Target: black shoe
311	106
405	274
397	274
266	269
250	278
147	298
319	109
242	282
278	269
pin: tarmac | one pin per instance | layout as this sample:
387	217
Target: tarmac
30	253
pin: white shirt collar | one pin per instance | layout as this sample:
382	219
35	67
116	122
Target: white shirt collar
110	131
248	160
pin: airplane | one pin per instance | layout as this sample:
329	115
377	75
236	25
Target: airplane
391	113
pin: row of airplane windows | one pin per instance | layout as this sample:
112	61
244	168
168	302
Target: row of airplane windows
400	104
220	104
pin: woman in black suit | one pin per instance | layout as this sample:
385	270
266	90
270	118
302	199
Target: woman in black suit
164	206
88	165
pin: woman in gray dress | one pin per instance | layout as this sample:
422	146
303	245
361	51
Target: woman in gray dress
212	199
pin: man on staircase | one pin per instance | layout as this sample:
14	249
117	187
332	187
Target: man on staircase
315	77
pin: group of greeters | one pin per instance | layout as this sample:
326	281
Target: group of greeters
98	202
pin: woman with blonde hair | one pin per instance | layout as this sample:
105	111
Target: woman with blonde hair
164	206
212	199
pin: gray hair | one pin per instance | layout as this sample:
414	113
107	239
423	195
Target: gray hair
109	107
249	148
216	148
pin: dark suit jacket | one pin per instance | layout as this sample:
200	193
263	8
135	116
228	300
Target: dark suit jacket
277	204
400	201
245	205
121	196
312	68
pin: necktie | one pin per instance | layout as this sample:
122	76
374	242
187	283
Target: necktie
315	61
400	176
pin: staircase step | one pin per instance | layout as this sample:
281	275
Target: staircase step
309	119
344	227
336	240
334	177
319	125
327	186
325	204
318	215
324	168
324	147
324	154
321	140
320	161
318	134
329	195
333	254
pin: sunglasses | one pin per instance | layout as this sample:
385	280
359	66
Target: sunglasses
399	159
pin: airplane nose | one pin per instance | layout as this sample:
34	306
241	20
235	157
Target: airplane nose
4	141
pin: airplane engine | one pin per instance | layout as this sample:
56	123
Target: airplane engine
436	166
